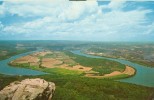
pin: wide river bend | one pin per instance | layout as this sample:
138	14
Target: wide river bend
144	75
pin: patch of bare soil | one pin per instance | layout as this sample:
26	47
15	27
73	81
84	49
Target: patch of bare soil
26	59
128	70
32	59
50	62
76	67
43	53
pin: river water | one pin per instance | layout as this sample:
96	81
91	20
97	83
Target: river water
144	75
7	69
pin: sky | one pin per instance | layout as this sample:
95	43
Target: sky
115	20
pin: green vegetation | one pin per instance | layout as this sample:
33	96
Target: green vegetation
119	76
141	53
11	53
99	66
70	87
102	66
6	80
57	71
8	49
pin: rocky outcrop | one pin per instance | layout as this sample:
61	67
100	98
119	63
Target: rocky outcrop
28	89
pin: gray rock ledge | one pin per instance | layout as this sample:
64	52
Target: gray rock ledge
28	89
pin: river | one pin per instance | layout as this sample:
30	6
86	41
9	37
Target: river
7	69
144	75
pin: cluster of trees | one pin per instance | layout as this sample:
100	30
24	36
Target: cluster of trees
81	88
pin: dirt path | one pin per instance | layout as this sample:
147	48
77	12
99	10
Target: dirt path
128	70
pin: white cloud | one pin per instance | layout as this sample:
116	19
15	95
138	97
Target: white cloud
1	26
150	29
1	10
29	8
63	9
66	20
116	4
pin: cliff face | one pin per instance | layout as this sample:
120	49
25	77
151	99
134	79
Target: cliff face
28	89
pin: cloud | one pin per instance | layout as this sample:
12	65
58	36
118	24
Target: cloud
1	26
76	20
1	10
63	9
150	29
116	4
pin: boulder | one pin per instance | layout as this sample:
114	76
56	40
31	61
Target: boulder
28	89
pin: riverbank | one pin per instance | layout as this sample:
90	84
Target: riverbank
129	71
143	75
145	63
